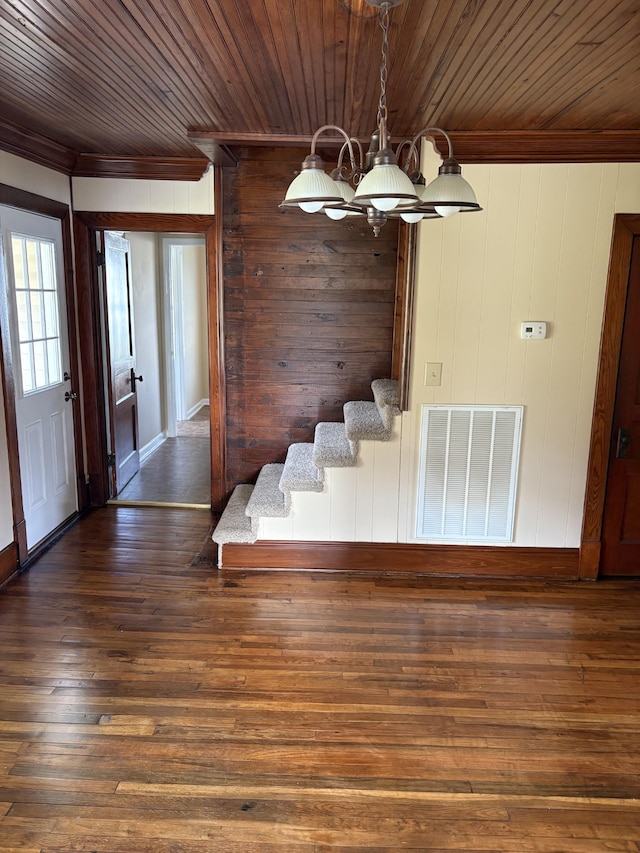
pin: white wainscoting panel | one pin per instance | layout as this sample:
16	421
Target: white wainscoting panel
386	488
311	516
340	484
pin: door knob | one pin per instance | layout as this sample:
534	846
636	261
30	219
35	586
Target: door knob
70	396
135	379
624	440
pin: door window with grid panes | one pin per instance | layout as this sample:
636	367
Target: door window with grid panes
38	321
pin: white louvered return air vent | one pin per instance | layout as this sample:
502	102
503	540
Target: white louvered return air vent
468	472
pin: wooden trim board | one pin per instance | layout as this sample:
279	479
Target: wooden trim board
85	223
8	562
626	227
391	557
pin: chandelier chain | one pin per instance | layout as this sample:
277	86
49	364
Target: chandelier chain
382	103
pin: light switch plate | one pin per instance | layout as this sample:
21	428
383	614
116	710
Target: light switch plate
433	373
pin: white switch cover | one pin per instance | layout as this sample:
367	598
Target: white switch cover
533	330
433	373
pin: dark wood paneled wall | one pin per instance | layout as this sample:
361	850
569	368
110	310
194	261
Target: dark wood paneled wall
309	312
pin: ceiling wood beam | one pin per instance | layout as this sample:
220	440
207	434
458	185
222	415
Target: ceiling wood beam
479	146
216	152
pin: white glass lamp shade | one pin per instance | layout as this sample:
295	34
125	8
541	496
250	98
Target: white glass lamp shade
347	192
410	211
449	194
312	189
385	187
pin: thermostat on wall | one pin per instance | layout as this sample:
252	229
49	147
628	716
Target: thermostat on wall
533	330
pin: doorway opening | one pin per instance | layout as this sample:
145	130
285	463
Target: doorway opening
88	226
156	327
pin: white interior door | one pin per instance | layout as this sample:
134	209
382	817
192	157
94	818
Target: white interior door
40	356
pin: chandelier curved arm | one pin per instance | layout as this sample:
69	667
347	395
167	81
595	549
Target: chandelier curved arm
347	142
427	132
413	157
355	169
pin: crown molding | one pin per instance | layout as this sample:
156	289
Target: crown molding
546	146
148	168
32	146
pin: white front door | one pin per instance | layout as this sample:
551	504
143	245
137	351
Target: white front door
40	356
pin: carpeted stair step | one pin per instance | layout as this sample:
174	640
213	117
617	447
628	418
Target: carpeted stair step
362	422
234	526
332	448
267	501
300	473
385	395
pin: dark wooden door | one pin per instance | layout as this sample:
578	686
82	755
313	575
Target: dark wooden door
621	525
123	400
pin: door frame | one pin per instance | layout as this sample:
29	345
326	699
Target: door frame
32	203
86	224
626	226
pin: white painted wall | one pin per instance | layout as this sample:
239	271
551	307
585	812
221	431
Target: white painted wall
148	326
194	316
539	251
128	196
19	173
24	175
147	296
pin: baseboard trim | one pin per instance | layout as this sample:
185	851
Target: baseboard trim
152	445
8	562
391	557
193	411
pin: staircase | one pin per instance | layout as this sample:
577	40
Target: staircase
335	445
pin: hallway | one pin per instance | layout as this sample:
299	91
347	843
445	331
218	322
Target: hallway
178	471
149	703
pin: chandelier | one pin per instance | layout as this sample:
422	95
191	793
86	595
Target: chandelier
374	185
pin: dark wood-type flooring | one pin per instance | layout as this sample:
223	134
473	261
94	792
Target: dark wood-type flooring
150	706
179	471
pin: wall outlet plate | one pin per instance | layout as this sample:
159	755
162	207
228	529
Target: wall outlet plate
533	330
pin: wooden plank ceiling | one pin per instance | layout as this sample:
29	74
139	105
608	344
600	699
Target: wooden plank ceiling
86	83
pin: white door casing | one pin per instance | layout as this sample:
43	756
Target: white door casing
40	355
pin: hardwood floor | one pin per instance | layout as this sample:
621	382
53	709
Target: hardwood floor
150	706
179	471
